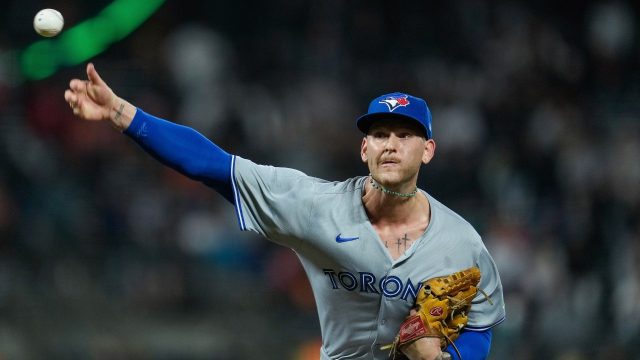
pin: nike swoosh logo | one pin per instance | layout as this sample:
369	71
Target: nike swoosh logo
340	239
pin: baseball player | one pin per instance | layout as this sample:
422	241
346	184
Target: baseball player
367	243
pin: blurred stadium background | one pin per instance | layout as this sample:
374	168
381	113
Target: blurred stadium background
105	254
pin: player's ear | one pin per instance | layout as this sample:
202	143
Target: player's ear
363	150
429	151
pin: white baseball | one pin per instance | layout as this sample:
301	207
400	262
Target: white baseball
48	22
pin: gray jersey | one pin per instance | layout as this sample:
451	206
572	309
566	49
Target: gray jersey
362	294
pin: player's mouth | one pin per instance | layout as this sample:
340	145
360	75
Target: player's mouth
389	162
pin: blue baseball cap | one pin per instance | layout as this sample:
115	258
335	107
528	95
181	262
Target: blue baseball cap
397	106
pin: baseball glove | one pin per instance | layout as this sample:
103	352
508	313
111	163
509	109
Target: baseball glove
442	306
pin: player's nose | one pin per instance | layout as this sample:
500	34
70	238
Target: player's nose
392	142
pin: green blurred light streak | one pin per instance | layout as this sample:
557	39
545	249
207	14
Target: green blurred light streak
87	39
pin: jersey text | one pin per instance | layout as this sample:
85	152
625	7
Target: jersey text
388	286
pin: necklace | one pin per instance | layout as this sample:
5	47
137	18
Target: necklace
375	185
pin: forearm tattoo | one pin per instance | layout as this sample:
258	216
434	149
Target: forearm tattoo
119	112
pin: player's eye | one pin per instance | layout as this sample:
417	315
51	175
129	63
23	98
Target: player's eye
378	135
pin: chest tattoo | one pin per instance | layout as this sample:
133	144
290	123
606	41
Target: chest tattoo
403	242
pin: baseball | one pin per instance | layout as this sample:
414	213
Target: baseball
48	22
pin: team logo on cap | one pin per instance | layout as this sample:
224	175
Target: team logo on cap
394	102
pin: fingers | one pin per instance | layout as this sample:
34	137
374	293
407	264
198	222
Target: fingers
74	101
79	86
70	97
93	76
73	95
88	98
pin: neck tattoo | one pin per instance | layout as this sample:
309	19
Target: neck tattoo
377	186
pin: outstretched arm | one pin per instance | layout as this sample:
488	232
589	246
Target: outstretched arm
179	147
184	150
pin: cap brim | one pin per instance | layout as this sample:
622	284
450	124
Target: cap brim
364	122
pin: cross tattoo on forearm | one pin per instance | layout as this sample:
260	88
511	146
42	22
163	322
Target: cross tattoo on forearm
119	112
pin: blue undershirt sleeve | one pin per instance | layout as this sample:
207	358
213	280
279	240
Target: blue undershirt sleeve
473	345
183	149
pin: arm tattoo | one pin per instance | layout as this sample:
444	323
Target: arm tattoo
119	112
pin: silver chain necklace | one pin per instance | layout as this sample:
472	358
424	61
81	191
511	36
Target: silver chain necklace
375	185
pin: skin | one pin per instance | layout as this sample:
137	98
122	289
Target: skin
427	348
93	100
393	151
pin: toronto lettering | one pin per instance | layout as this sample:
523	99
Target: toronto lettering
366	282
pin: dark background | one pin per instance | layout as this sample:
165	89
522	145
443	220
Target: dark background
106	254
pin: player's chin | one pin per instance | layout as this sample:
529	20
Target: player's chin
388	176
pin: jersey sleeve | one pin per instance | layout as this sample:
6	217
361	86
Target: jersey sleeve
272	201
487	311
184	150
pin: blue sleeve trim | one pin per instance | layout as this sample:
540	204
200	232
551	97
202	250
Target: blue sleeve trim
184	150
473	345
136	123
236	195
